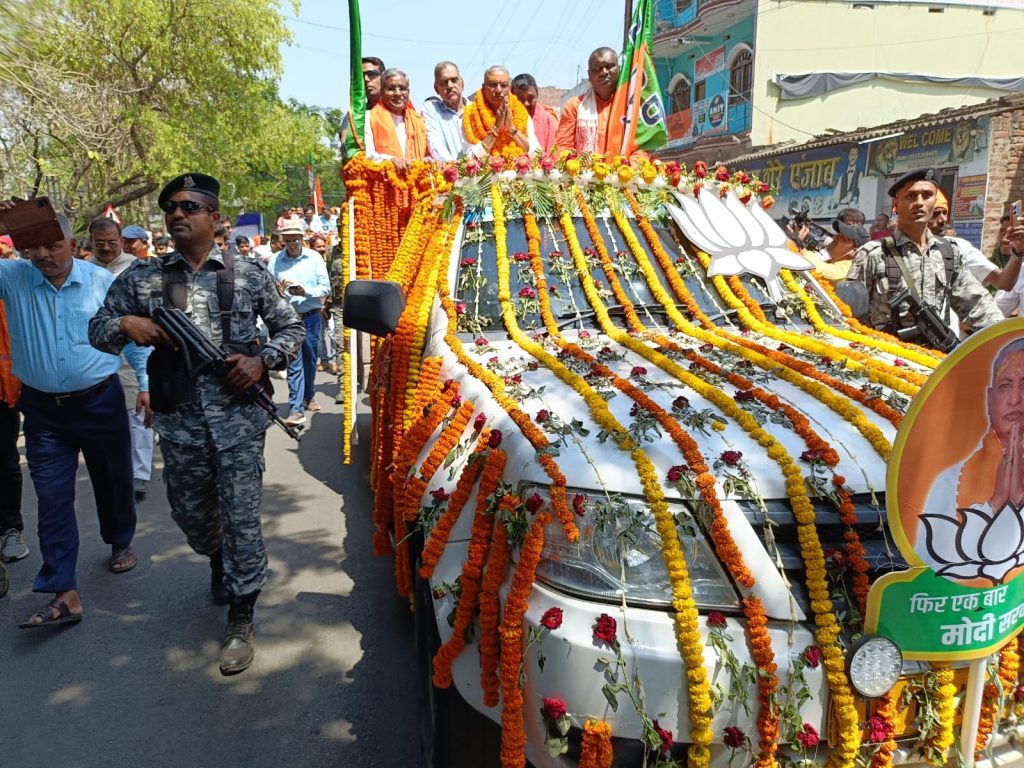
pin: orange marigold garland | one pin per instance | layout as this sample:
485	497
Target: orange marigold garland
490	599
472	569
596	751
438	540
513	734
413	488
478	120
881	730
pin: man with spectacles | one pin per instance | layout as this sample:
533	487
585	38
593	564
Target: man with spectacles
373	68
394	129
72	401
107	236
442	114
212	442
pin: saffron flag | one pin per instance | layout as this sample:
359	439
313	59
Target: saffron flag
637	120
356	120
317	198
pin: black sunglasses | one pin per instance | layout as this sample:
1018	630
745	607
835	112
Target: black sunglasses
188	207
371	73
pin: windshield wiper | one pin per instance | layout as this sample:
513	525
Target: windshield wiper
616	310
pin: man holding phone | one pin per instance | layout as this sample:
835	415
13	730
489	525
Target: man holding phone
302	277
71	400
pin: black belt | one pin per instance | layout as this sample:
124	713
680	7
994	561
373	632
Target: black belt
304	315
62	398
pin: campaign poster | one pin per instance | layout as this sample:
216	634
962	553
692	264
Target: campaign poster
969	198
936	146
711	114
955	506
821	181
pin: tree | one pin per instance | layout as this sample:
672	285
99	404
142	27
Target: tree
114	97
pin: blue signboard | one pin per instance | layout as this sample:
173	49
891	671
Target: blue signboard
824	181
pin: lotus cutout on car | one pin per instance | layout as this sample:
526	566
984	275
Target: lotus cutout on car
738	238
979	546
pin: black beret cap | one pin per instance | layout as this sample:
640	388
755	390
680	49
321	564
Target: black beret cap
923	174
190	182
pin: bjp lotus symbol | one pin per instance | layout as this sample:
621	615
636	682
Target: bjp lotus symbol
737	238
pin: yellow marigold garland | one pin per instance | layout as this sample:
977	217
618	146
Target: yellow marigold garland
478	119
945	710
822	327
687	634
827	632
596	750
348	407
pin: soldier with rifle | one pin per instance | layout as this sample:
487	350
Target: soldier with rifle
914	278
211	425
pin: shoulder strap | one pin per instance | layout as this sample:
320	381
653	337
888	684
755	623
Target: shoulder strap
948	259
226	294
894	269
175	285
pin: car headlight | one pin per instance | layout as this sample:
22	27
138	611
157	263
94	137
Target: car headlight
619	554
874	665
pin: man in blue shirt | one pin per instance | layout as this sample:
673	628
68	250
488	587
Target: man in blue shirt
302	276
72	400
443	115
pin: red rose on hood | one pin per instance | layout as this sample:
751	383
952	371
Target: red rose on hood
605	629
553	708
552	618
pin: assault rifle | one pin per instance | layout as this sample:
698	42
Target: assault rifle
201	354
928	327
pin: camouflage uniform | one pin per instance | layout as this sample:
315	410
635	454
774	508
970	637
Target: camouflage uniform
971	302
213	447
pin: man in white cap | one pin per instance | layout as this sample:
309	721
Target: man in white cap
302	276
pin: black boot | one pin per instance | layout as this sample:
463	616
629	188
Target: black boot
238	650
218	591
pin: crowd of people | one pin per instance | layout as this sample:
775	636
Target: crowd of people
504	116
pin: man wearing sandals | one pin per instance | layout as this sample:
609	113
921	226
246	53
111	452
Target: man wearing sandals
211	441
72	401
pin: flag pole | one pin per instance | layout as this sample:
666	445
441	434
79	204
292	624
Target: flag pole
627	21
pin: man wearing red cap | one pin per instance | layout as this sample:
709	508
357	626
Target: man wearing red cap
935	267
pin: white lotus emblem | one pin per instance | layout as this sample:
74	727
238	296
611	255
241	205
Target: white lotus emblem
978	545
737	238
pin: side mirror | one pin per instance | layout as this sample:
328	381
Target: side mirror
373	306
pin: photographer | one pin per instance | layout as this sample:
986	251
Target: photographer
834	260
933	267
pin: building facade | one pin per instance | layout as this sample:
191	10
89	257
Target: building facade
738	75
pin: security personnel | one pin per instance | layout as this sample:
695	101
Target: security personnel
212	443
934	265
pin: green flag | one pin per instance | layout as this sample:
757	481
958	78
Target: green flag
356	120
638	113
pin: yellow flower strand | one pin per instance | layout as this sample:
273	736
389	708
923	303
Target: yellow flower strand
347	406
819	391
821	326
687	633
945	710
876	372
827	632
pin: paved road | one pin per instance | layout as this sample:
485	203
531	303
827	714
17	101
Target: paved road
136	683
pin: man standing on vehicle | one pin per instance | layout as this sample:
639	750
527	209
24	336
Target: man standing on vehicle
443	114
212	442
583	125
933	265
1003	279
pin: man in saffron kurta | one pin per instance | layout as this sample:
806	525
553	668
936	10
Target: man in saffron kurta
395	130
543	125
583	125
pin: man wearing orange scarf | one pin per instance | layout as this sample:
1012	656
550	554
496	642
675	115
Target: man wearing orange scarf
973	521
395	130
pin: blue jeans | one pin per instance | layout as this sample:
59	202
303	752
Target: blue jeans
97	425
302	370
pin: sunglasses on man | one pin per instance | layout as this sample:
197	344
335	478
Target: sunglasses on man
188	207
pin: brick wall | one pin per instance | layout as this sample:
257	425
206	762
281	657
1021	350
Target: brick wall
1005	171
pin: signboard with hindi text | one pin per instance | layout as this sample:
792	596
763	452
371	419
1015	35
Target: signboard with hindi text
824	181
955	508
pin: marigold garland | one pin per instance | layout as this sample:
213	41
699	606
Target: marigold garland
687	634
490	599
438	540
596	750
348	407
945	711
410	494
994	695
886	709
513	735
478	120
827	632
413	443
822	327
472	569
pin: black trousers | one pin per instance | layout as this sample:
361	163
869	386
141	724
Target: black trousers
10	469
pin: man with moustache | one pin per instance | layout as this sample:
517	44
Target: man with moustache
394	129
443	114
496	123
373	68
934	265
583	125
72	401
211	440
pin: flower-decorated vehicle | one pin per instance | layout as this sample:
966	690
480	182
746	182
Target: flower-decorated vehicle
630	457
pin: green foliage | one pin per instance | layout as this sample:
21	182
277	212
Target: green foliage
114	97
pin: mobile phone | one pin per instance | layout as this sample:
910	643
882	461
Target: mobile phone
1015	210
32	223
